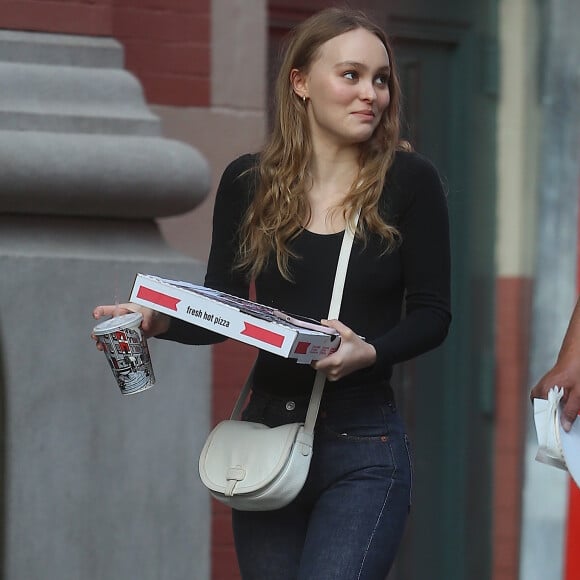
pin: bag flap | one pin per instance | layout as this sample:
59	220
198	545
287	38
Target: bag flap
247	455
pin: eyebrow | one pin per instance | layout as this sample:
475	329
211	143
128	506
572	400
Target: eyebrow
355	64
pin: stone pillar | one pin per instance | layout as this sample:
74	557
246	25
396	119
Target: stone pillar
95	485
545	491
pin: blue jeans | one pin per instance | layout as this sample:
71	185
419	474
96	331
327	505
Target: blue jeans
348	520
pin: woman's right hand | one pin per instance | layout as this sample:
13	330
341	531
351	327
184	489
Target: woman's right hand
153	323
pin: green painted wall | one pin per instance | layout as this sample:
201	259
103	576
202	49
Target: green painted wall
447	58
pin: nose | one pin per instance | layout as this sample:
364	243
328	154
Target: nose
368	92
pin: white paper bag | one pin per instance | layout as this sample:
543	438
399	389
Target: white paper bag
557	447
547	420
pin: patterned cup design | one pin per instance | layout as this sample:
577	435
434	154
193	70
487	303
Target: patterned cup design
127	352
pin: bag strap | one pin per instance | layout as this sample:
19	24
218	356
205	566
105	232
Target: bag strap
333	312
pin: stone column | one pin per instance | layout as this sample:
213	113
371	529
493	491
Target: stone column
95	485
545	491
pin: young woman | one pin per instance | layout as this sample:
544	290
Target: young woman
279	219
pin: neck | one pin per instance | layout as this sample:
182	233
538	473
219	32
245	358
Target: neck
334	168
333	171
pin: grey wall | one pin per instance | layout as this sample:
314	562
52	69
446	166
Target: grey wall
94	485
97	485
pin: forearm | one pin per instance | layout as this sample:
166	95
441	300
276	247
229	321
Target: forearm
419	332
570	349
565	373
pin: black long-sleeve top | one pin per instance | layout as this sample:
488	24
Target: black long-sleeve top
398	301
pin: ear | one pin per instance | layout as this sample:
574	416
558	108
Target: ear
299	82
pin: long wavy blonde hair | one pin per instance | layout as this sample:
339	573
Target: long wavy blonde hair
279	208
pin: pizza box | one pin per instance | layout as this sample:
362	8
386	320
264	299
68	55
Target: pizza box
243	320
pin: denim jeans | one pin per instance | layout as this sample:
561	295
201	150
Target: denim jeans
348	520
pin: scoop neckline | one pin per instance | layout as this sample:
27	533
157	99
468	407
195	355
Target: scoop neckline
340	233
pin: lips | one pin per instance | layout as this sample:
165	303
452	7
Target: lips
369	114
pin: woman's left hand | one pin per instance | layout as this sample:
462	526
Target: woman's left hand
352	354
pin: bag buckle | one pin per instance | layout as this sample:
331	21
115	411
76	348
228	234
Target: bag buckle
233	475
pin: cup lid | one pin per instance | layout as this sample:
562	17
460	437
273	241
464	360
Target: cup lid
130	320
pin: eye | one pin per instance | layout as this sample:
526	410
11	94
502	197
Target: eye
350	75
382	80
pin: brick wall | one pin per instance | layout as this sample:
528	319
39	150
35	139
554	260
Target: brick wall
232	362
513	299
167	42
71	17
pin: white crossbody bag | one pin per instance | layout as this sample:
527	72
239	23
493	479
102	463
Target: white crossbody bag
253	467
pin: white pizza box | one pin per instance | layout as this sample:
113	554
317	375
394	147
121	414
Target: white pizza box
243	320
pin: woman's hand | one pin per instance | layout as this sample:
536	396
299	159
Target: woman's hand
153	323
352	354
565	374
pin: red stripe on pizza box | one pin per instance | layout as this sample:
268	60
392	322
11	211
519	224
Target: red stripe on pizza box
262	334
158	298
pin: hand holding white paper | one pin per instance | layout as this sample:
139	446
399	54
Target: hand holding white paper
546	420
557	447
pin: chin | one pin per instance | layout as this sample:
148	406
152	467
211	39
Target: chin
361	137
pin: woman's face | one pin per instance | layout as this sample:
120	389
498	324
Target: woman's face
347	88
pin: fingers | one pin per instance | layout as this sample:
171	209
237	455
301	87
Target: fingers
331	366
98	344
571	397
101	311
538	392
571	409
549	380
344	331
566	423
116	309
352	354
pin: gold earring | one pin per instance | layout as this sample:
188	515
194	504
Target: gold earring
303	98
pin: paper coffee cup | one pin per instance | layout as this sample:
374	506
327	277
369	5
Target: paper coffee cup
127	352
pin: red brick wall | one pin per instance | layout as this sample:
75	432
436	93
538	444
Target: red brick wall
167	42
232	362
73	17
168	47
513	299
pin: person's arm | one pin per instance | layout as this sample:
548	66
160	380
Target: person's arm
353	354
425	254
565	373
425	250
